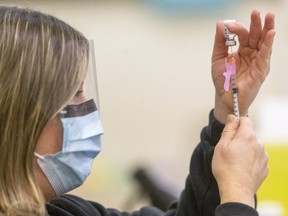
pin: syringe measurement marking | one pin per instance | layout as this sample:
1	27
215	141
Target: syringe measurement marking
235	95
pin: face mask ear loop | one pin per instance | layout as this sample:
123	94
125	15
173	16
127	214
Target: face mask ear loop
38	156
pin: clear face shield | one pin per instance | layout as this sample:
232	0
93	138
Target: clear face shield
81	138
90	86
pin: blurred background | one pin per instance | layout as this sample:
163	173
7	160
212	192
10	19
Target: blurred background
155	91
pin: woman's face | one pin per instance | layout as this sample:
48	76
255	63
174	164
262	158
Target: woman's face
50	142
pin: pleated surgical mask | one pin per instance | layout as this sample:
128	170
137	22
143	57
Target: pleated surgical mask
82	130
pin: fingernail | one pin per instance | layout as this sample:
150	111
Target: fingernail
231	26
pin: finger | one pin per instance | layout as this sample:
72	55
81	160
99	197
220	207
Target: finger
264	158
241	31
266	48
255	29
230	129
264	55
268	25
220	49
245	127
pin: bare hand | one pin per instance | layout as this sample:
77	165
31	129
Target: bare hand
252	61
239	162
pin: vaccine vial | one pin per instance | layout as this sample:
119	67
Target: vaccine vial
230	37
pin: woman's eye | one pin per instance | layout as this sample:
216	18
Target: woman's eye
79	93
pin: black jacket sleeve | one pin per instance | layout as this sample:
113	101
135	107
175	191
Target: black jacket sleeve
199	198
235	209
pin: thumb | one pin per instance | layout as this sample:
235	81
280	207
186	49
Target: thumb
220	49
230	129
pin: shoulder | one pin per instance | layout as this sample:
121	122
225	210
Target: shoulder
73	205
67	205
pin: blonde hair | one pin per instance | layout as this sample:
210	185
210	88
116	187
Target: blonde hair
43	62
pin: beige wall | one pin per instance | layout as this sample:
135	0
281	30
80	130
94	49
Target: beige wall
154	84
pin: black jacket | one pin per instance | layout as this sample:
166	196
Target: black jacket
199	198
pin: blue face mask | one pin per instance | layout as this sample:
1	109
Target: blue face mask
82	130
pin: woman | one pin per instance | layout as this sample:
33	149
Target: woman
46	61
50	133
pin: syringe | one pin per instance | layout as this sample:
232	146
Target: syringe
230	74
235	95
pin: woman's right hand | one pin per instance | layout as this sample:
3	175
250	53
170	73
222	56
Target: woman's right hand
240	162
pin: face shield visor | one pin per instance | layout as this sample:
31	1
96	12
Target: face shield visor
90	86
81	139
